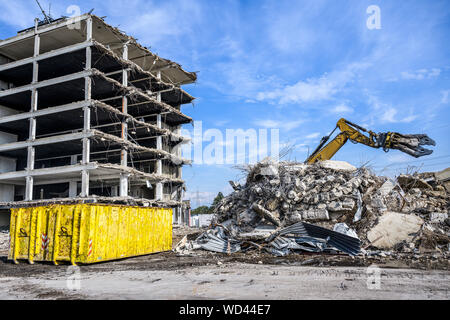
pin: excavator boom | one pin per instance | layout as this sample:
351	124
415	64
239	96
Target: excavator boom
407	143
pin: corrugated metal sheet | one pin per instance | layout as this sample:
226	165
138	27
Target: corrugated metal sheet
338	240
216	240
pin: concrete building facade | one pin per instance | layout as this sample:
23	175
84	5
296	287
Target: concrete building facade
87	114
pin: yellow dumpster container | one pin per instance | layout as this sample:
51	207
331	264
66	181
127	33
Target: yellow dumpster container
88	233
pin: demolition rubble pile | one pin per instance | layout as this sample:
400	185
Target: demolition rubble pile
330	206
4	238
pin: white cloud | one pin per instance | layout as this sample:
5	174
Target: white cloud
276	124
221	123
289	125
313	135
445	94
342	108
389	115
314	89
421	74
302	91
267	123
386	113
238	70
159	24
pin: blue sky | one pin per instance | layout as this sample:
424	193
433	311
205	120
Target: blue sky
294	65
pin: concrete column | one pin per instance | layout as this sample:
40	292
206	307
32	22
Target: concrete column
87	113
32	127
159	185
124	153
178	153
86	147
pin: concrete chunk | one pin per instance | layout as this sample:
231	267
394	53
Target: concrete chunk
315	215
392	228
386	188
337	165
438	217
266	214
408	182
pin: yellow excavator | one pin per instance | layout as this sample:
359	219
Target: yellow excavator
410	143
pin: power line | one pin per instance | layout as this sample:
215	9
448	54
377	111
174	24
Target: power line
406	167
413	161
416	165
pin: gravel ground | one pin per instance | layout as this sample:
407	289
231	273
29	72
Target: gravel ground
228	281
206	275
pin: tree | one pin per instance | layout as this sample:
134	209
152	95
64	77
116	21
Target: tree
201	210
217	199
206	209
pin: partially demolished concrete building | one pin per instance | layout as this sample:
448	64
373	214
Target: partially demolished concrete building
87	114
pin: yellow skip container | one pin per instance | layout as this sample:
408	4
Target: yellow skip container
88	233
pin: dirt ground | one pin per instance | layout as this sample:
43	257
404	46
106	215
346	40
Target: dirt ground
255	275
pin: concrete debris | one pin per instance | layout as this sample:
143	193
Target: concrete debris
266	214
4	239
259	233
377	212
316	214
443	177
181	244
358	213
337	165
393	228
408	182
235	186
386	188
438	217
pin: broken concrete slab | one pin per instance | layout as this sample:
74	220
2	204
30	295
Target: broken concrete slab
337	165
261	232
392	228
386	188
443	175
315	215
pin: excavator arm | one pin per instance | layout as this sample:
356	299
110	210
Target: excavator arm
410	144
